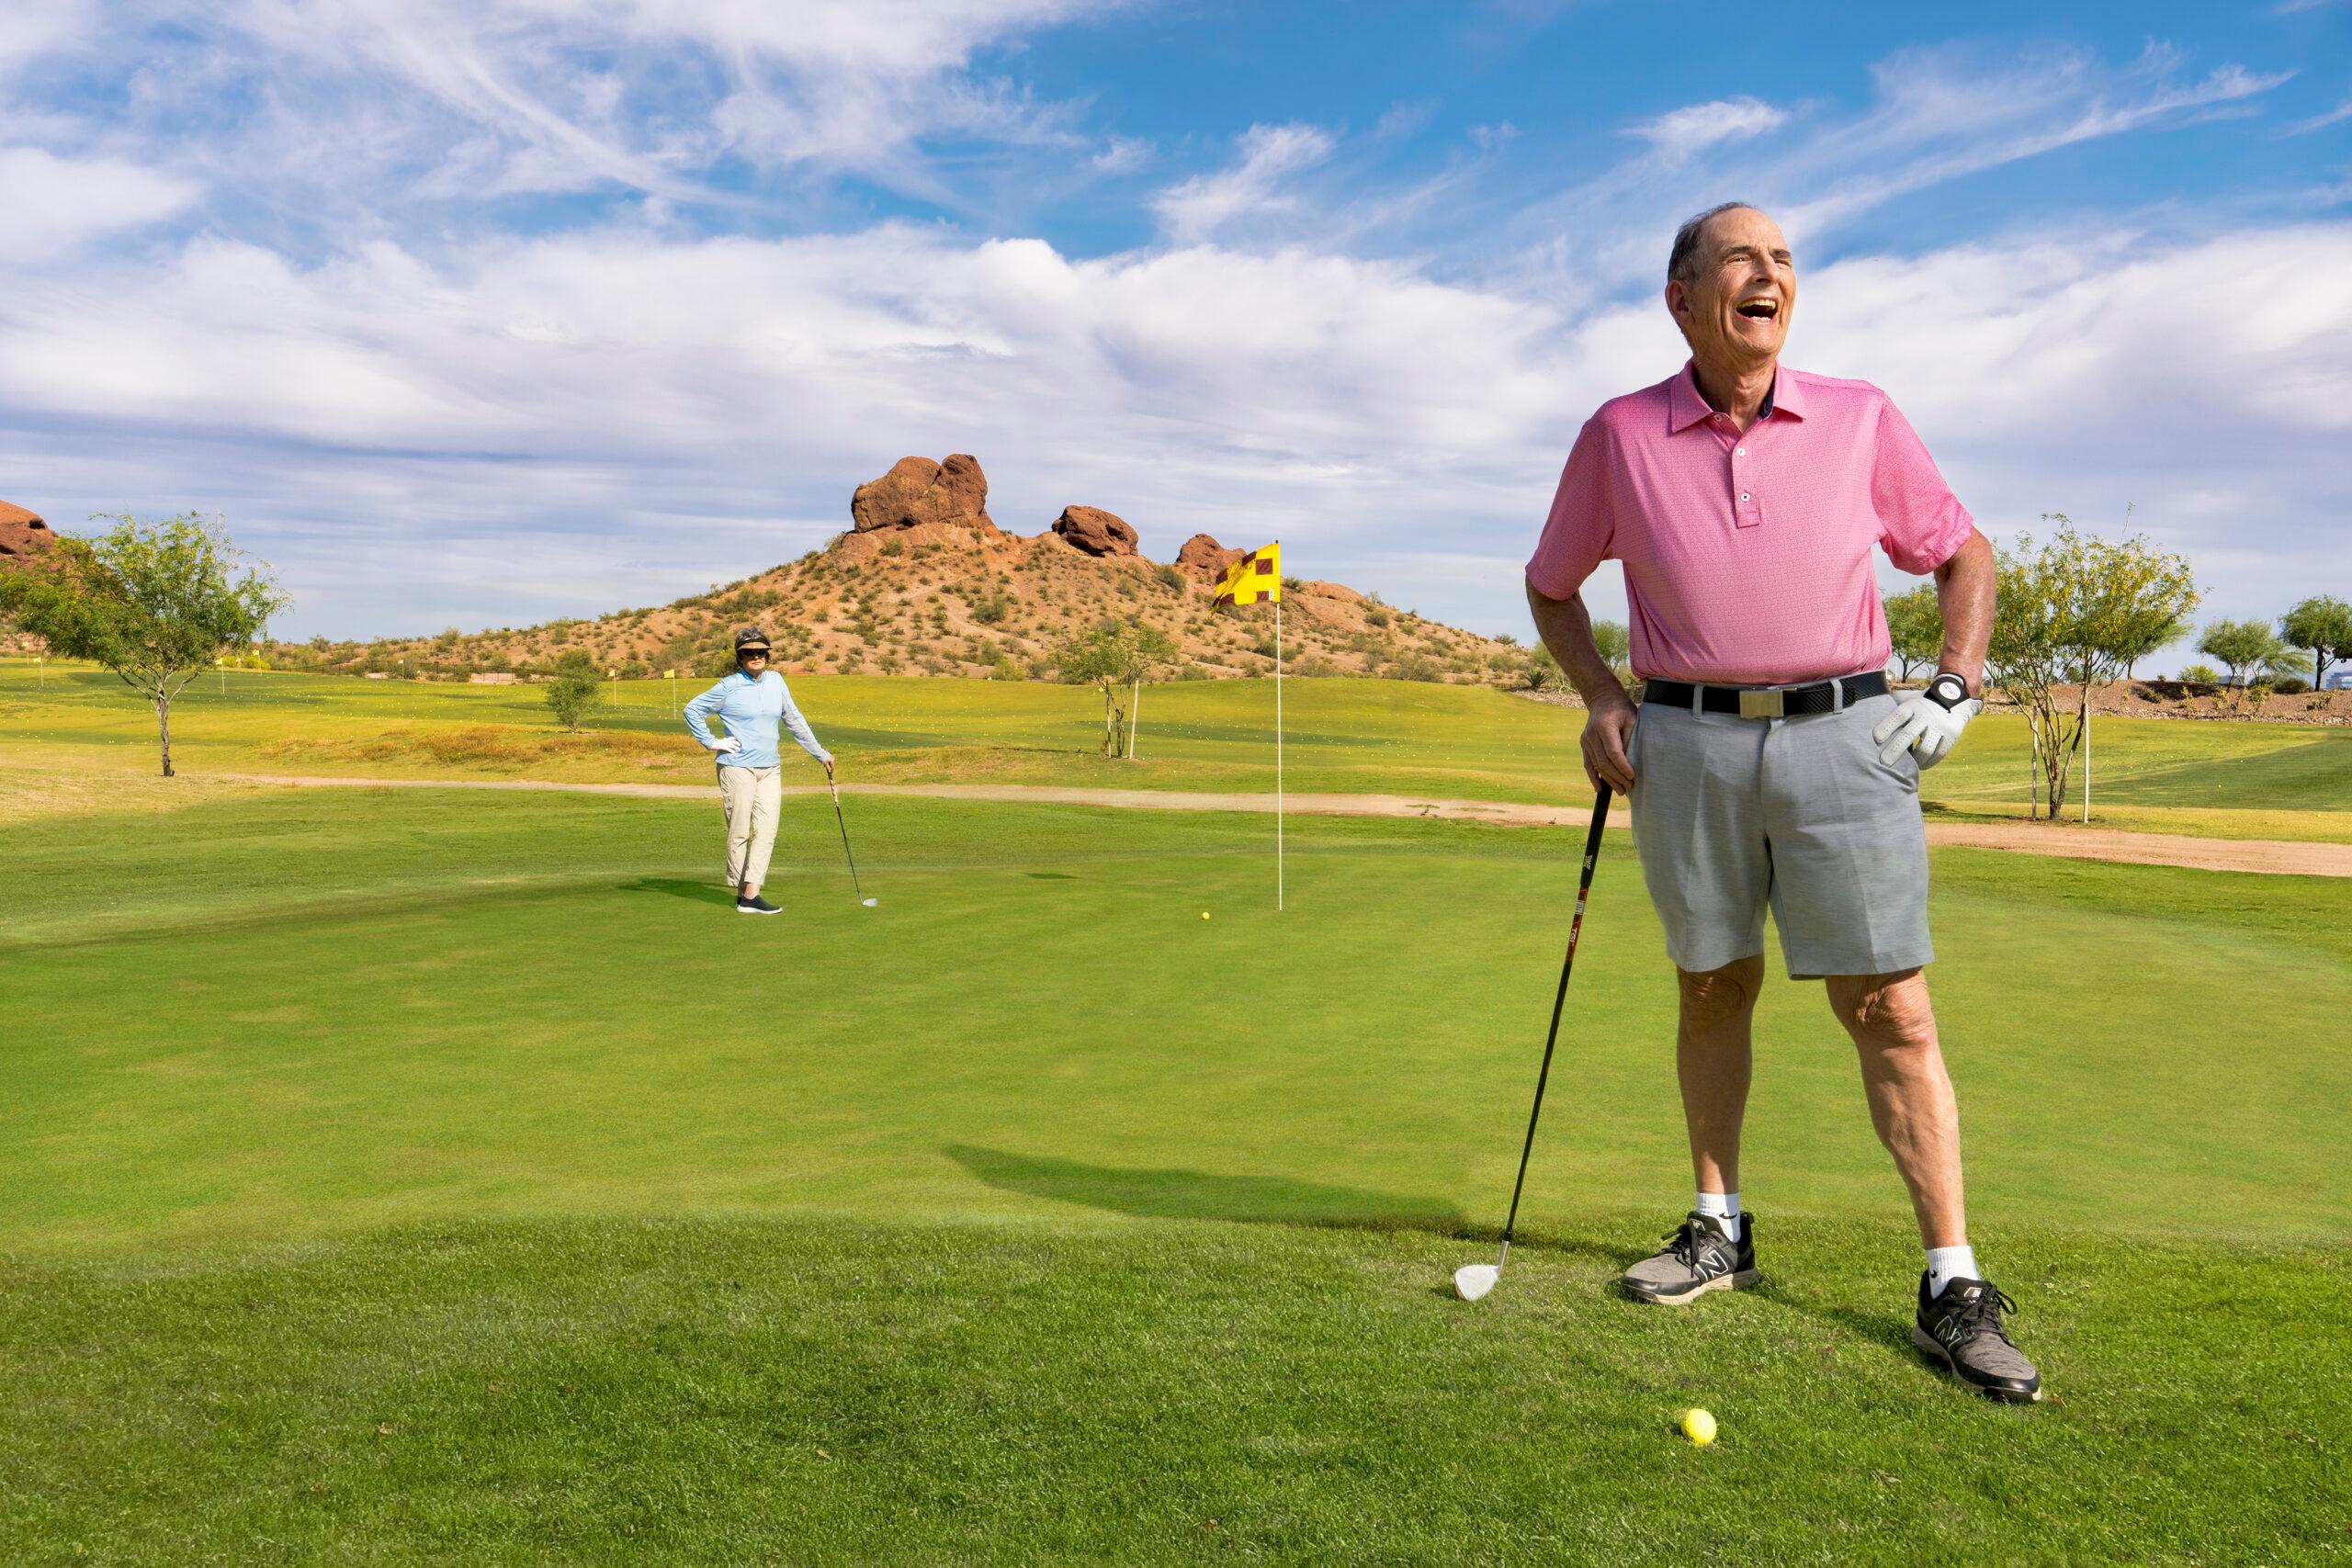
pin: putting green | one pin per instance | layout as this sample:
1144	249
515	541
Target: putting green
410	1176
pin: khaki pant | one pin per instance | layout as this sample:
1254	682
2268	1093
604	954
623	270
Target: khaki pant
752	797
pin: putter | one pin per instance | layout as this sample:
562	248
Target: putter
861	898
1473	1281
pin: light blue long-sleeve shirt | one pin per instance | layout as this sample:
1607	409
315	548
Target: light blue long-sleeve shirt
752	710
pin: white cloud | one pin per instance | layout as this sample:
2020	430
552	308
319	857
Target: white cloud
2342	111
1199	207
55	204
1677	135
419	441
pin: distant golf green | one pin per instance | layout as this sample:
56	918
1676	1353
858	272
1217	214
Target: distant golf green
410	1176
1349	735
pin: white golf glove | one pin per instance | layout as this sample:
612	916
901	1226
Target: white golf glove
726	743
1929	723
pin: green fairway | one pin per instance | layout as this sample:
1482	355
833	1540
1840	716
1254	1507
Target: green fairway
1343	736
404	1175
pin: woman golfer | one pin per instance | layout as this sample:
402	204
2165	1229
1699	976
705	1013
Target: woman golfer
752	700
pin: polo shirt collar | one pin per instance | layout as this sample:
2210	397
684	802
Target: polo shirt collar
1686	407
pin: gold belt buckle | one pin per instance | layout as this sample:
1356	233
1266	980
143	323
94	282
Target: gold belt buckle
1760	704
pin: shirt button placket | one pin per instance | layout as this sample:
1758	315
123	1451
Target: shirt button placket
1746	512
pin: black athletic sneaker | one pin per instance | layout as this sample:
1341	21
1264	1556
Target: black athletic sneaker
1962	1329
1699	1257
755	907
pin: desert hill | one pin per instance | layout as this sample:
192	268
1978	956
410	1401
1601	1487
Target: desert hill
925	581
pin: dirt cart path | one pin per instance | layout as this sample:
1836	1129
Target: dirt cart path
2268	856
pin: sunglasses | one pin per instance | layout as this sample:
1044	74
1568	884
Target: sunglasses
752	653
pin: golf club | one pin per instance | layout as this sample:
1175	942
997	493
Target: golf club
1473	1281
861	898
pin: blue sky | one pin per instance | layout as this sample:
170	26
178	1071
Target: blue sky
478	314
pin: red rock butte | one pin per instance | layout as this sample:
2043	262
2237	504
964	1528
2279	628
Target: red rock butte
23	532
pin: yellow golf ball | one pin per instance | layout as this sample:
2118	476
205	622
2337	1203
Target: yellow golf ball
1699	1426
1204	914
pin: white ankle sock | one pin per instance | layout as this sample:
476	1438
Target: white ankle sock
1946	1264
1723	1206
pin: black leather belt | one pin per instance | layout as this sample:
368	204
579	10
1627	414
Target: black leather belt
1766	702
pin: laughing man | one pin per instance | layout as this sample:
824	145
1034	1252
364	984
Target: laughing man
1768	762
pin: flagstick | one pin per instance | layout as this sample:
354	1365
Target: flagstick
1278	753
1134	711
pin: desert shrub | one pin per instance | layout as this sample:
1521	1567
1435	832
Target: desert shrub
893	547
1192	672
2291	686
1376	617
2201	675
1416	667
1006	668
1169	577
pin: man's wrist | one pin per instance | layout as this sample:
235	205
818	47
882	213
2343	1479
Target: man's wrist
1949	688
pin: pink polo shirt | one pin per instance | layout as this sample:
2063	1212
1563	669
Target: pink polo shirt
1747	558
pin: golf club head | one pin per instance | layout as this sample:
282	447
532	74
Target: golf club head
1473	1281
871	902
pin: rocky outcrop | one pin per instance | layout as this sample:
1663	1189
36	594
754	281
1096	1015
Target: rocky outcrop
23	532
1095	531
1203	554
917	491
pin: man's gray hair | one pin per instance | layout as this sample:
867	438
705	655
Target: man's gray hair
1682	261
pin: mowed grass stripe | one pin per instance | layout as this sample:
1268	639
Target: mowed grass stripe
2219	778
844	1392
367	1022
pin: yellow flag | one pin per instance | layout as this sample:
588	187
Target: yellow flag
1257	575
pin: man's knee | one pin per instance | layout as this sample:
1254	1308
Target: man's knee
1720	996
1892	1009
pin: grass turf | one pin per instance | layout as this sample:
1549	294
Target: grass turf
403	1177
2213	778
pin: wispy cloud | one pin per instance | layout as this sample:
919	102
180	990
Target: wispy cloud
55	204
2341	112
1679	133
1197	208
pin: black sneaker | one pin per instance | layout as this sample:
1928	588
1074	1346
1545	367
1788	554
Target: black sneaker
1962	1329
755	907
1699	1257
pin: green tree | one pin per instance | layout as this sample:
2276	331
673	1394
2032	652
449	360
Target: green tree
2242	646
2074	612
1118	657
1914	624
155	602
2321	626
575	691
1615	645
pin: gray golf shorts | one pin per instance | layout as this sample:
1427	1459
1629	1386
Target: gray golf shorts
1732	813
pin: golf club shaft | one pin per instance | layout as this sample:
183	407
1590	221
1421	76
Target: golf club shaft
1543	1076
852	858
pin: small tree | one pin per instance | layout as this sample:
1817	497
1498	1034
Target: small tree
155	602
2323	628
1914	624
2242	646
1117	656
575	691
2072	612
1615	645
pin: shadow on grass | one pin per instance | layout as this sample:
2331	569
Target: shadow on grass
1199	1195
696	892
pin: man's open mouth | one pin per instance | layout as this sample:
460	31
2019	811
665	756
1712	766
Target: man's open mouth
1760	310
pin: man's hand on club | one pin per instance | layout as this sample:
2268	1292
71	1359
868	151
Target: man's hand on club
725	744
1606	734
1922	727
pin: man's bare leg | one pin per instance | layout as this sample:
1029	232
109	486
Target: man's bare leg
1713	1057
1912	1103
